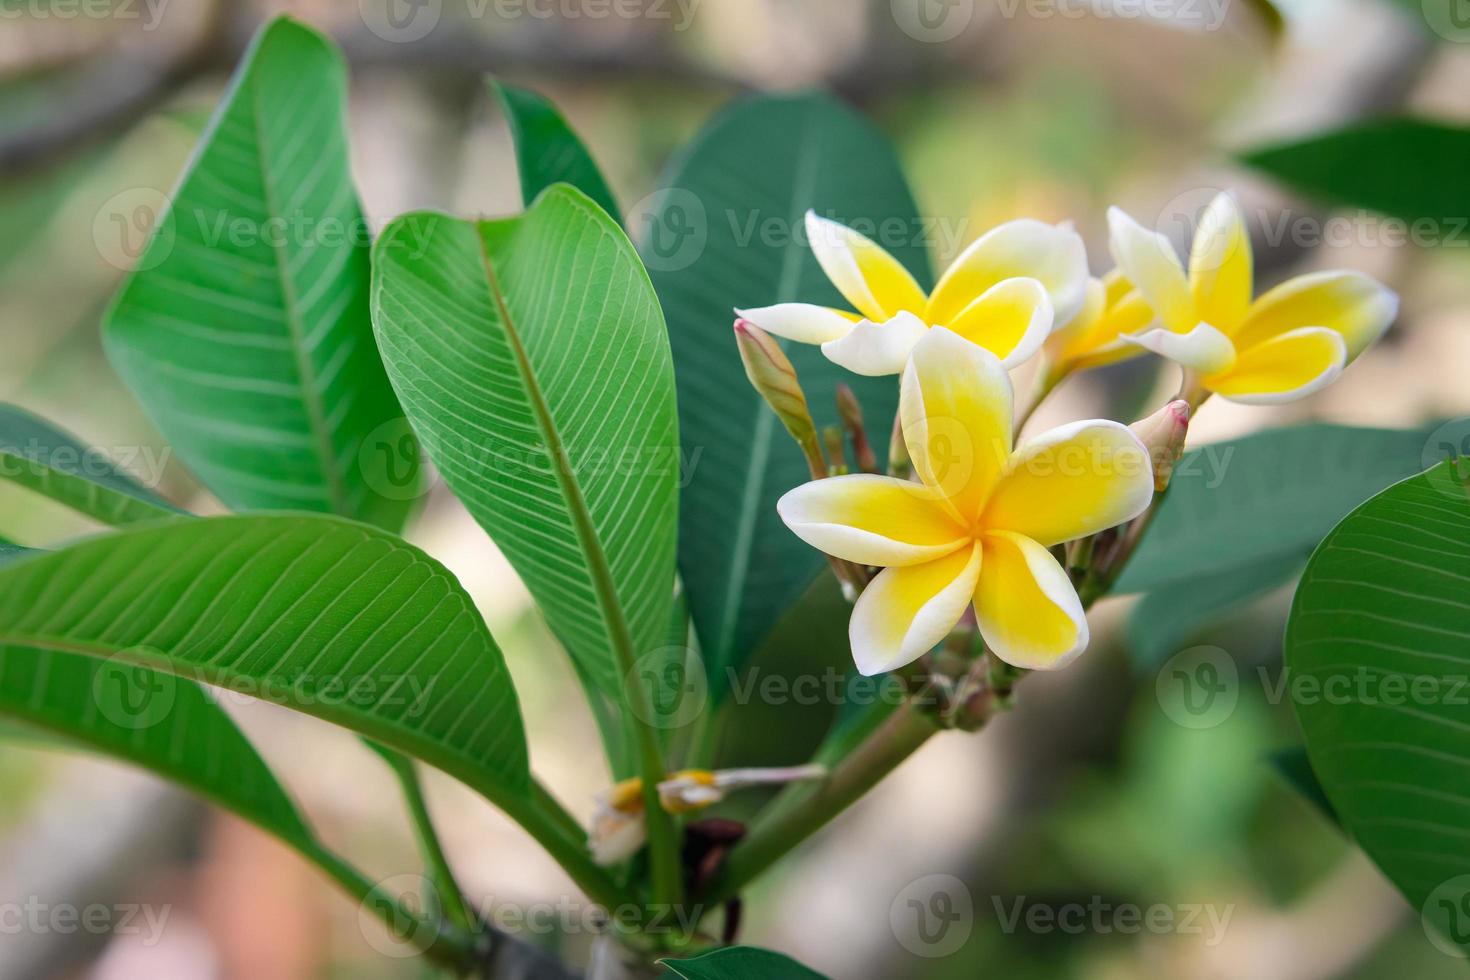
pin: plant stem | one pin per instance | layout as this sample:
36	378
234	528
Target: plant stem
811	805
451	897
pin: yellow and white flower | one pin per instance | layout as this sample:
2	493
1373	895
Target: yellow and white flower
1004	292
1292	341
1098	335
977	529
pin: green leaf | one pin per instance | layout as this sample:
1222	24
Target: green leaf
1378	656
160	722
531	358
726	231
1171	615
245	329
740	963
1296	769
547	151
1412	169
1267	496
332	618
42	457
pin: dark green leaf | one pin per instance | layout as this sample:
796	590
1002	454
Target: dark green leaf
245	329
333	618
1296	769
726	231
1409	168
1170	616
39	456
740	963
1265	497
532	360
547	151
1378	659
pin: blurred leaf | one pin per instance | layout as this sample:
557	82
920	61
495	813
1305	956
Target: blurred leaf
1378	651
1269	496
1409	168
547	151
245	330
162	723
1294	766
39	456
725	230
531	357
331	618
1170	616
740	963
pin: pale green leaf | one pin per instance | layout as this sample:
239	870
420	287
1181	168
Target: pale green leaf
740	963
245	329
531	358
332	618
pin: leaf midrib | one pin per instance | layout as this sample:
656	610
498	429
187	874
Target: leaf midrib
305	370
602	581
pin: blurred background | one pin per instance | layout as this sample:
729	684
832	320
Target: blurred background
1090	796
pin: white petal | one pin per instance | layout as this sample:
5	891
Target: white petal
905	612
875	349
1202	349
805	323
1149	261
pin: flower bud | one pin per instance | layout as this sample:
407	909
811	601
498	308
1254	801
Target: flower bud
1162	434
851	413
770	373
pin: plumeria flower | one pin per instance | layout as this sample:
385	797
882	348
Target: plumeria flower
1004	292
977	529
1290	342
1097	335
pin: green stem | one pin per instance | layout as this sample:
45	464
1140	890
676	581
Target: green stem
451	897
810	806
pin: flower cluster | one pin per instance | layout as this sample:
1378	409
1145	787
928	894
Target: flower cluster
982	522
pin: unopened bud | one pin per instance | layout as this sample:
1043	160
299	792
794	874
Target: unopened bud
770	373
1162	434
850	410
